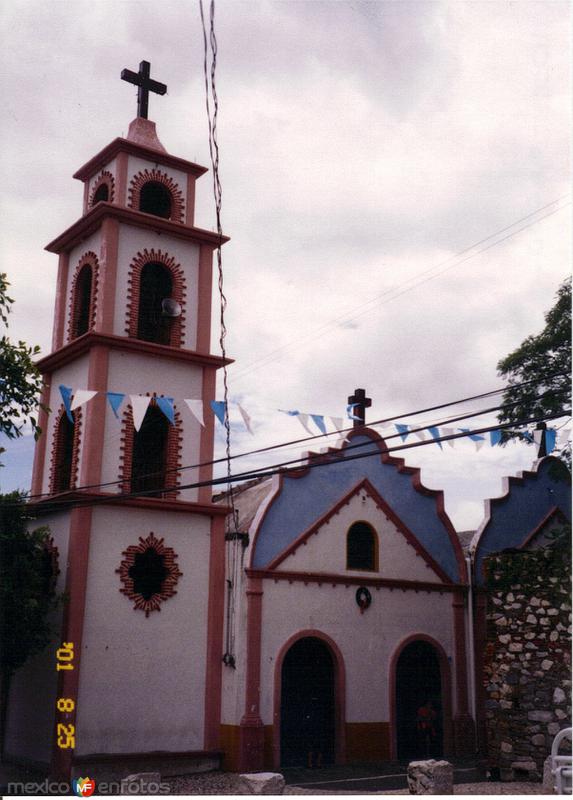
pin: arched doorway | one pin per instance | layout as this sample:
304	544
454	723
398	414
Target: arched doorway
307	704
419	700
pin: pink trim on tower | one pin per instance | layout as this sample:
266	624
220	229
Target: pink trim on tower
105	178
339	693
206	444
215	622
204	287
190	215
121	172
93	439
109	249
41	444
446	689
60	306
73	626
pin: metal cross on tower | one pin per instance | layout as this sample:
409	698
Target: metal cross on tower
360	403
145	85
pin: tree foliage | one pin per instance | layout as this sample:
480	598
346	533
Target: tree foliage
20	380
543	361
27	584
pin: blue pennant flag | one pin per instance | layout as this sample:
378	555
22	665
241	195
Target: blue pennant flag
550	439
494	438
218	407
435	435
66	393
528	437
165	404
403	430
115	400
473	436
318	420
349	413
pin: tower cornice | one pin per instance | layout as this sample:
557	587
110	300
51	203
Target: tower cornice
83	344
91	221
126	146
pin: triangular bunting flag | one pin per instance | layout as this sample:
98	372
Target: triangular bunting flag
403	430
475	437
303	419
246	419
349	413
421	435
494	438
550	439
165	404
537	434
115	400
528	437
479	445
435	434
318	420
338	423
218	407
449	432
196	408
139	406
66	393
81	396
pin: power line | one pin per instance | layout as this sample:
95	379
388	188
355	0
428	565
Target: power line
288	467
320	436
323	329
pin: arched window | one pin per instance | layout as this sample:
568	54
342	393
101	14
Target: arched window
156	285
155	199
65	446
150	450
101	194
361	547
82	302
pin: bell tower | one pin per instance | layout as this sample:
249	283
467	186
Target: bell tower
141	554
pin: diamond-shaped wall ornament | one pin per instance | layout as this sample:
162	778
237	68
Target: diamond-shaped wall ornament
149	573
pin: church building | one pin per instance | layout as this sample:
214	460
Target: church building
333	624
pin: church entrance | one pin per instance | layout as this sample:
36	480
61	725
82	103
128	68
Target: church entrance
419	707
307	705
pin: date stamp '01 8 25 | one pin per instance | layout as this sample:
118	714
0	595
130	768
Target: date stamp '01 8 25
65	730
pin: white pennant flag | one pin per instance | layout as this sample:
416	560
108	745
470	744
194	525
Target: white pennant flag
246	419
303	419
139	406
338	423
448	432
479	444
422	435
81	396
196	408
537	436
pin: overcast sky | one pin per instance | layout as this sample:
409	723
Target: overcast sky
362	145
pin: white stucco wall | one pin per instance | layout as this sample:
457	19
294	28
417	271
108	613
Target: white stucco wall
325	551
367	641
133	240
30	715
142	682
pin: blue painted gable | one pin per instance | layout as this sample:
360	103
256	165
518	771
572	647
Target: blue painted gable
511	519
301	501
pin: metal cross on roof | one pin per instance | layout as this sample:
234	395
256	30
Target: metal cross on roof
145	85
360	403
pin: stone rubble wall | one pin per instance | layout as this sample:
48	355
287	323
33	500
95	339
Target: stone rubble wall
527	659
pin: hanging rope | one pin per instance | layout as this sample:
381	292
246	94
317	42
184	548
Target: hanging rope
233	542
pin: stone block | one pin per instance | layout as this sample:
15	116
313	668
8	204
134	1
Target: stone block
430	777
262	783
547	777
540	716
559	696
141	783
